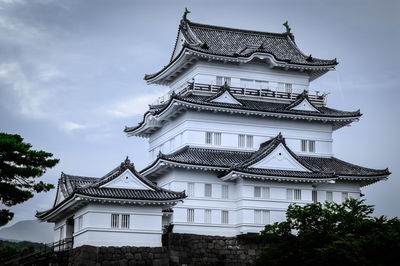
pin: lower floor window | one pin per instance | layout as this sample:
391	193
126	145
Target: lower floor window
261	217
125	221
114	220
224	217
190	215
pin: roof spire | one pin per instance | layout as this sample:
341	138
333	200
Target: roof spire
286	24
185	14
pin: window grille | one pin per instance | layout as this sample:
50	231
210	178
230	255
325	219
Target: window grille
125	221
289	194
224	217
190	215
190	189
297	194
311	145
314	196
208	137
241	141
249	141
288	87
303	145
207	216
329	196
207	190
114	220
257	216
217	139
265	192
247	83
227	80
80	222
261	85
265	216
257	192
345	195
225	191
218	81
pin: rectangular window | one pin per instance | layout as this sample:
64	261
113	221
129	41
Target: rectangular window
261	85
329	196
345	195
303	145
61	232
288	87
207	216
114	220
249	141
247	83
217	139
190	215
227	80
257	192
209	137
224	217
257	216
311	145
289	194
225	191
80	222
297	194
265	192
218	81
265	217
208	190
125	221
190	189
241	141
314	196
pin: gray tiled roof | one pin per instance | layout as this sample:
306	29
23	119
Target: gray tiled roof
321	166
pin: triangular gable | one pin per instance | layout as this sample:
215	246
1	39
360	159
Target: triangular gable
281	159
127	180
226	97
304	105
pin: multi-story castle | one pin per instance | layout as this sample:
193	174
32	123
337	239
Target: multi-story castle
239	132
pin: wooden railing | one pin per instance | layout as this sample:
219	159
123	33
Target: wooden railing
267	94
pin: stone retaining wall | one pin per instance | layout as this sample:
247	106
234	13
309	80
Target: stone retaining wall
178	249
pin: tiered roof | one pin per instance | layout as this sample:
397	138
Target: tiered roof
190	101
201	41
231	164
77	191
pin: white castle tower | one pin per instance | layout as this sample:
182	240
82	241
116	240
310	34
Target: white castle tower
240	132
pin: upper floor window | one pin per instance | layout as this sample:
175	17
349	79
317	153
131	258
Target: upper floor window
224	217
225	191
314	196
222	80
207	190
245	141
297	194
262	85
80	222
345	195
213	138
261	192
307	145
288	87
329	196
190	189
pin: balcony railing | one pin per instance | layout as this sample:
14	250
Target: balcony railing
267	94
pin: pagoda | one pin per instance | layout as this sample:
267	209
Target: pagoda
241	133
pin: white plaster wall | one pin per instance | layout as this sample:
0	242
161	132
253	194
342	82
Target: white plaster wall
205	72
190	128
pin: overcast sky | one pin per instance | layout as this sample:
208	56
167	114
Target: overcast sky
71	76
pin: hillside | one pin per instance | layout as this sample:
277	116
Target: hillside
29	230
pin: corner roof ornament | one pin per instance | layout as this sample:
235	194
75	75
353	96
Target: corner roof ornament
185	14
286	24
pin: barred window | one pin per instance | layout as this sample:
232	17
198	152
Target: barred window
265	192
345	195
303	145
114	220
289	194
224	217
218	81
125	221
288	87
225	191
329	196
241	141
257	192
314	196
297	194
80	222
217	139
213	138
249	141
207	216
190	215
208	137
257	216
311	145
227	80
207	190
261	84
190	189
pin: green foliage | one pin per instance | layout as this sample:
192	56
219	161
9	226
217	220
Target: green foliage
19	168
331	234
168	228
10	249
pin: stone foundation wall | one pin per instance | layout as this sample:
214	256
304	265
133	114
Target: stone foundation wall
178	249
